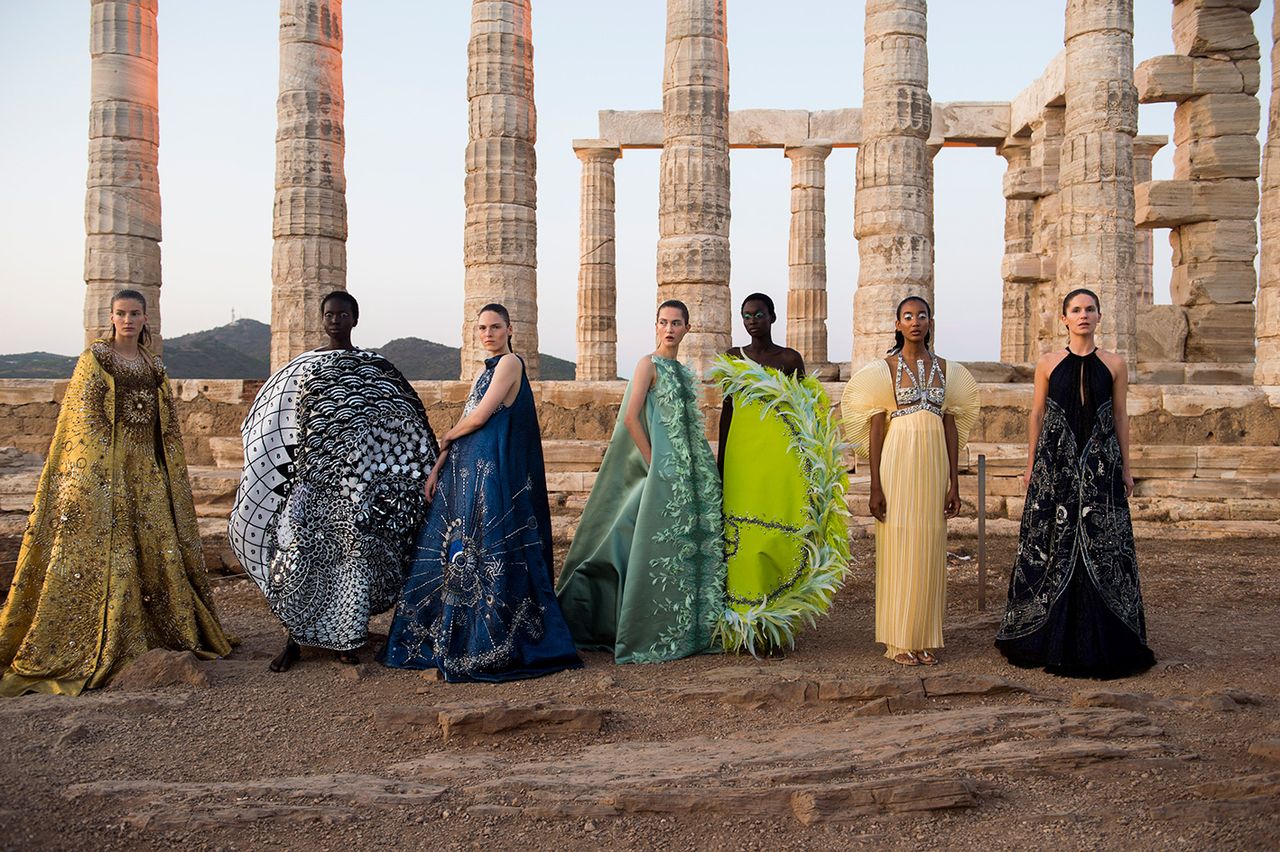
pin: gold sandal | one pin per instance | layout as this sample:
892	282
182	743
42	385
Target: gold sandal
927	659
906	658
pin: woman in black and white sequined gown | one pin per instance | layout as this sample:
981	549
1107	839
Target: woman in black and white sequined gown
337	448
1075	604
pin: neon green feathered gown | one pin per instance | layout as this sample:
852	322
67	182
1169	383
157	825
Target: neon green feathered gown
784	512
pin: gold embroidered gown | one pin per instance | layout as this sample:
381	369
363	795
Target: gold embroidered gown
911	544
111	564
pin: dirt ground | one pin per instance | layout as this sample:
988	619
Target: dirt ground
830	747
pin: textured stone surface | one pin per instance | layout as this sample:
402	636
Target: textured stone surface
122	193
807	258
160	667
1267	327
500	235
893	205
1144	148
597	264
309	254
1162	333
693	193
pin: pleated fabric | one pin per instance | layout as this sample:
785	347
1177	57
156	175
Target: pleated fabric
911	543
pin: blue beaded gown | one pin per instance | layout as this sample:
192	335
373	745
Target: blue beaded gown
478	604
1075	602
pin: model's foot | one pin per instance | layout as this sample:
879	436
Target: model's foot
926	659
287	657
906	658
348	658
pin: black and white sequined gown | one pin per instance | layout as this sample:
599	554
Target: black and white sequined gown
337	448
1075	605
478	603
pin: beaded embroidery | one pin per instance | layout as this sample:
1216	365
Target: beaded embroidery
921	394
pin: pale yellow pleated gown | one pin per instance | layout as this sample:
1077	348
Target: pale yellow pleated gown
911	544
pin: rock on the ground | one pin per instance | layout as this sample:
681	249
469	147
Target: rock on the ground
161	667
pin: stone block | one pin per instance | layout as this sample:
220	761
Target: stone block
1030	182
1027	267
1160	372
1224	240
768	128
1217	282
1048	89
840	127
1175	78
1218	31
970	123
1220	333
1219	374
1218	157
1216	115
1170	203
632	128
1187	401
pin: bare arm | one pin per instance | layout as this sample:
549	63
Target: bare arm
877	503
505	377
1120	412
633	417
1035	420
953	464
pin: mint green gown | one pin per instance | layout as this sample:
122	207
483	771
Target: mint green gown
644	577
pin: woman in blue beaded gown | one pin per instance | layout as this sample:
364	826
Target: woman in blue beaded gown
478	604
1075	604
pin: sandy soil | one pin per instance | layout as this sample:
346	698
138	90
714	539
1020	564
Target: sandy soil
1161	761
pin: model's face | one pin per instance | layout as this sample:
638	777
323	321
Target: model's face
755	318
1082	314
914	321
338	318
493	331
671	327
128	318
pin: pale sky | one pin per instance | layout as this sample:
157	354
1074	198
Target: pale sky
405	77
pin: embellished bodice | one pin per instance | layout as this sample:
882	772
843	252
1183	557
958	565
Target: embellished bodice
137	403
921	393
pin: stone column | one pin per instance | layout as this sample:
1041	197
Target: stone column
122	194
807	258
597	264
1046	160
893	208
1144	149
1020	267
1267	369
1096	223
309	253
500	239
693	194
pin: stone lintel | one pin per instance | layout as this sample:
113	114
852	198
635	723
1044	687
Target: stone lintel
1049	89
955	123
1170	203
1147	144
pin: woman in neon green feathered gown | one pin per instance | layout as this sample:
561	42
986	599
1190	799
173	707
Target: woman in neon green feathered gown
784	483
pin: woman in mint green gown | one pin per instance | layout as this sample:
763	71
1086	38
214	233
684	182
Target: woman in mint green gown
644	577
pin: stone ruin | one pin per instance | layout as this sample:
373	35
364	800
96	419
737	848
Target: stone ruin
1080	211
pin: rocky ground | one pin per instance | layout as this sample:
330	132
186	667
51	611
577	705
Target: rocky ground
830	747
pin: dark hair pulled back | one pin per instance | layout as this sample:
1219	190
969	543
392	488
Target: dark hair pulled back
144	337
501	311
898	340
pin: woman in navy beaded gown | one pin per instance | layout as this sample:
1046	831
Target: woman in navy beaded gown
1075	604
478	604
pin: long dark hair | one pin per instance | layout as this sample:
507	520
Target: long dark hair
501	311
144	337
1081	291
898	340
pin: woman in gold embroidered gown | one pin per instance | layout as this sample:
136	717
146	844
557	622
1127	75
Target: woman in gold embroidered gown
111	564
910	414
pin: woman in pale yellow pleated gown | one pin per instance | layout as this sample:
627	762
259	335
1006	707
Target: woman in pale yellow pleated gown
910	415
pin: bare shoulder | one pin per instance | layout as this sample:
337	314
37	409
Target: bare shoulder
794	360
1046	362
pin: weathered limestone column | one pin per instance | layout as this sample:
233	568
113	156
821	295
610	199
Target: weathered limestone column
693	194
1212	203
1046	162
1096	222
1144	149
309	253
893	208
122	194
1020	268
807	258
1267	370
597	264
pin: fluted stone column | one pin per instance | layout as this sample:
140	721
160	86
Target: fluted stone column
122	195
1267	368
1144	149
1096	223
309	252
1021	265
597	265
893	209
807	258
693	194
500	239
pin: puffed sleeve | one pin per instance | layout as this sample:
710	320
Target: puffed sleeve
961	401
868	393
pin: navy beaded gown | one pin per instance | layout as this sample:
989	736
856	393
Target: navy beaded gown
1075	604
478	604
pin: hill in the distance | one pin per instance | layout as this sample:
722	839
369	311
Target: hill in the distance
242	350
